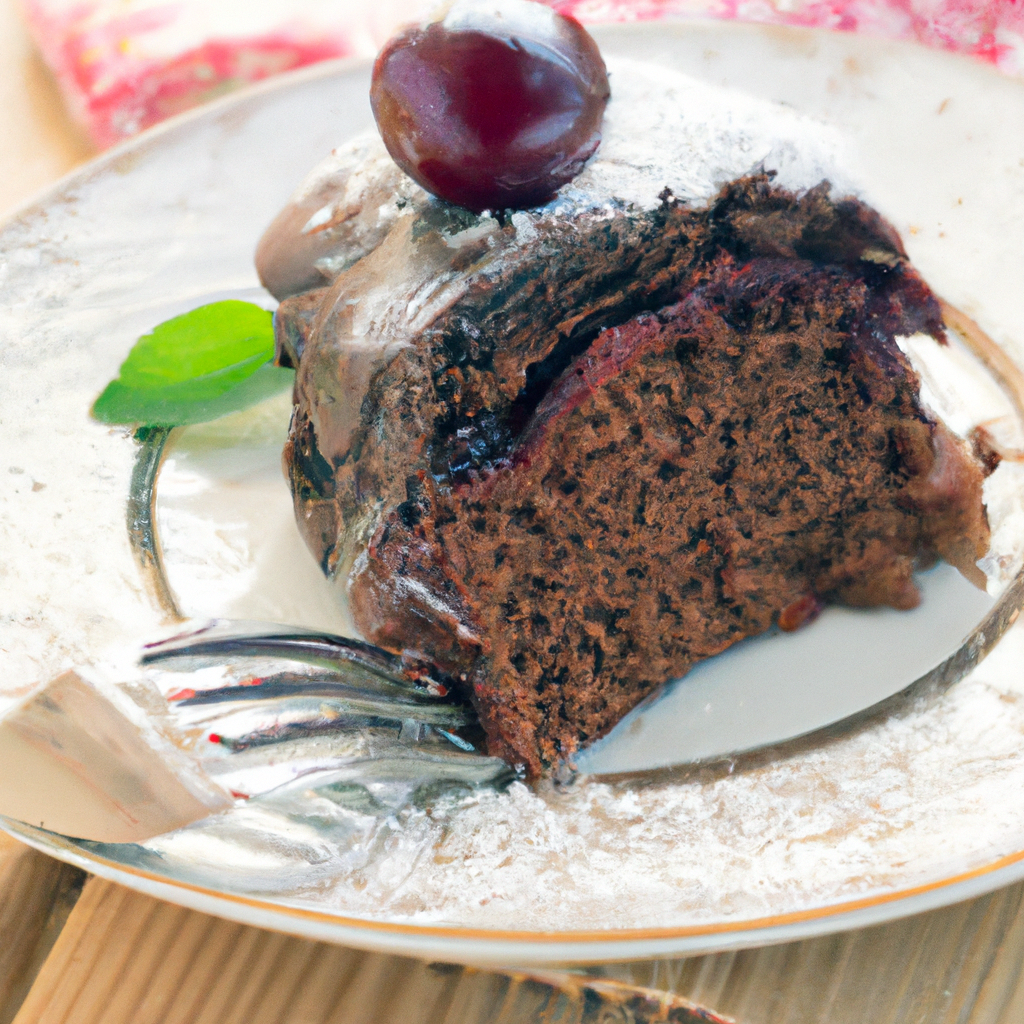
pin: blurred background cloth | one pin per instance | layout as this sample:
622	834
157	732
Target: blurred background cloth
123	65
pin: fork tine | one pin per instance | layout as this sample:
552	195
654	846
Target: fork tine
258	733
372	756
352	685
288	684
271	708
223	640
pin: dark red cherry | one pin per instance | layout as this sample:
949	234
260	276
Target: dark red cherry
496	104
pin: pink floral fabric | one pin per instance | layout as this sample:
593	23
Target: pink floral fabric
992	30
124	65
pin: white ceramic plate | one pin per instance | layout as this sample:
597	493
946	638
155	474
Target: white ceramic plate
900	815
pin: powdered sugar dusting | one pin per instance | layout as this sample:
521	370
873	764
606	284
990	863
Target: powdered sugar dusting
920	796
833	824
837	822
663	129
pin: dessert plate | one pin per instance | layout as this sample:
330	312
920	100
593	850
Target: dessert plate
907	810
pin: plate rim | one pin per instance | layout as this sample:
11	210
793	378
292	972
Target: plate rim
469	943
482	946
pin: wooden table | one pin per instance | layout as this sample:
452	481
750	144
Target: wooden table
89	952
39	140
101	954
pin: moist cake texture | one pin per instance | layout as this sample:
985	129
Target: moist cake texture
565	455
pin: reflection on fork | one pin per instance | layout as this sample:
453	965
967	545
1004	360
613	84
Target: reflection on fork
274	709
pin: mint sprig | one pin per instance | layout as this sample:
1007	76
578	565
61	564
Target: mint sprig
196	367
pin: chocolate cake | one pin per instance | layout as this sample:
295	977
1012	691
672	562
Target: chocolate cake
564	455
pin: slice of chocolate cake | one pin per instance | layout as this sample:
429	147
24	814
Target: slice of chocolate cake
567	455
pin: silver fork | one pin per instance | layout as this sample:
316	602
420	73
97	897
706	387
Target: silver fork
294	708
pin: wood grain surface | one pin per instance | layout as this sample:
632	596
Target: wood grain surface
38	140
125	958
119	957
958	965
36	897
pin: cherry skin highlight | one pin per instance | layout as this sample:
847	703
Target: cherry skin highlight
496	105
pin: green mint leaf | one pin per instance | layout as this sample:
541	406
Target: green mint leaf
196	367
179	404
